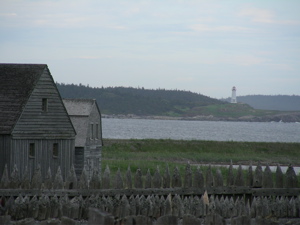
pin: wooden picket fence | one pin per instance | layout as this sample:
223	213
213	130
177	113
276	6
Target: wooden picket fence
202	197
257	178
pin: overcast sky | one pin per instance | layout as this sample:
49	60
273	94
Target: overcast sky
201	46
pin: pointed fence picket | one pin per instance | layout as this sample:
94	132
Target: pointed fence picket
258	178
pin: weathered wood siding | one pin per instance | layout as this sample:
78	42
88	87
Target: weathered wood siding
5	141
93	149
92	159
43	156
79	160
94	118
34	123
43	128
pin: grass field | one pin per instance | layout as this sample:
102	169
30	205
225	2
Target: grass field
149	153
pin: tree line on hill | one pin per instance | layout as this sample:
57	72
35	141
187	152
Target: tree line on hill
271	102
138	101
128	101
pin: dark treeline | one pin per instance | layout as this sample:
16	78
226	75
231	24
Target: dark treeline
138	101
271	102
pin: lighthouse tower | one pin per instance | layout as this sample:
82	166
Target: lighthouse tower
233	96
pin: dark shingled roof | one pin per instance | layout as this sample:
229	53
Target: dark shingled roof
79	107
17	82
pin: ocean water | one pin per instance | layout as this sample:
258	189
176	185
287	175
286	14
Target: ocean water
200	130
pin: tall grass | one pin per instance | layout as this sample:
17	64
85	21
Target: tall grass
149	153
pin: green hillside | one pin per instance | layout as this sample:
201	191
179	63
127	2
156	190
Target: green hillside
139	101
229	110
271	102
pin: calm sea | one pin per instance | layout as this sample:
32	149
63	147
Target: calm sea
200	130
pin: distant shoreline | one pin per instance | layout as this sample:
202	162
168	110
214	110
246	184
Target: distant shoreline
292	117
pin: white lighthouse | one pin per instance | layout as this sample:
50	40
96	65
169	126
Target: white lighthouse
233	96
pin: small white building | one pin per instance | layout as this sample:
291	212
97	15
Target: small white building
233	95
86	118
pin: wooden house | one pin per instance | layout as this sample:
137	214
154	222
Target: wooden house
35	128
86	118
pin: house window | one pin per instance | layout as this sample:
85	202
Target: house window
55	150
31	150
44	104
92	131
97	131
